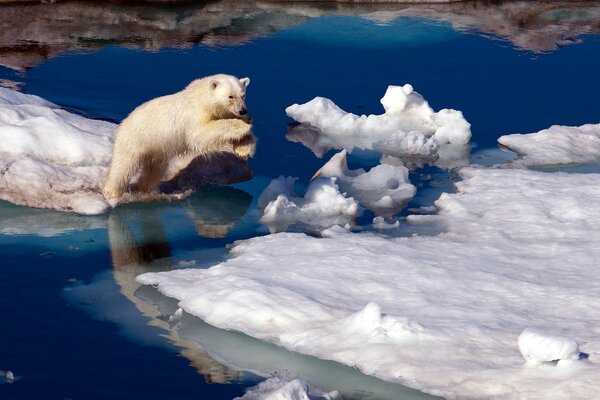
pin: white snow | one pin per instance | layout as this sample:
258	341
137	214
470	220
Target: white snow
51	158
556	145
321	206
541	347
409	125
443	314
385	189
281	388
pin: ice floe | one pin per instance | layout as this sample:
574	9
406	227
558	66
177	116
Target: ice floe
556	145
442	313
51	158
385	189
323	205
409	126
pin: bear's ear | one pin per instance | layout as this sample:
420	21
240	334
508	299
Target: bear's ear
245	81
214	84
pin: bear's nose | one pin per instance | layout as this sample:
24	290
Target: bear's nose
243	111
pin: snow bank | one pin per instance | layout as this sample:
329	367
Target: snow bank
322	206
50	158
409	125
541	347
556	145
385	189
441	314
280	388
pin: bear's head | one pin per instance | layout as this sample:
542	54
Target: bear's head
229	95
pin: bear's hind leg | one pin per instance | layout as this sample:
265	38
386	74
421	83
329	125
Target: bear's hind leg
120	174
152	173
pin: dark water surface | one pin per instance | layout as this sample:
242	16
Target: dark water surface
74	322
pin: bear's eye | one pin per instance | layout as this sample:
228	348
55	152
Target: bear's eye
231	97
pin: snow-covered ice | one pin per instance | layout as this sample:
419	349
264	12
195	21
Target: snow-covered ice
385	189
556	145
49	157
443	314
409	125
541	347
323	205
282	388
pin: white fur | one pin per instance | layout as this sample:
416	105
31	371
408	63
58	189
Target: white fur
207	117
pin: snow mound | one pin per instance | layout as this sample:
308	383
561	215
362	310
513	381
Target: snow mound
322	206
279	388
409	125
436	313
556	145
385	189
50	158
540	347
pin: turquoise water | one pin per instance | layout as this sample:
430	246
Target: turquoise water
74	322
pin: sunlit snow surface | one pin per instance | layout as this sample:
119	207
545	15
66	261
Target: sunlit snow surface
409	125
556	145
49	157
442	314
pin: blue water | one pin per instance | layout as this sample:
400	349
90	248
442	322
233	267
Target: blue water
71	327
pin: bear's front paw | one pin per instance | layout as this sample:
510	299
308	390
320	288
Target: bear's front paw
245	148
241	128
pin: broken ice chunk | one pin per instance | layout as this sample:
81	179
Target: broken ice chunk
321	207
408	126
541	347
385	189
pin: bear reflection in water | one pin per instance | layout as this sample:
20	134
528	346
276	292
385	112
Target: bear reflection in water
139	243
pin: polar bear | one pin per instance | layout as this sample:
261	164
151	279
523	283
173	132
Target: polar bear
207	117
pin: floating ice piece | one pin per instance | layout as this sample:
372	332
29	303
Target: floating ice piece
409	125
556	145
9	376
519	247
279	388
385	189
541	347
321	207
50	158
